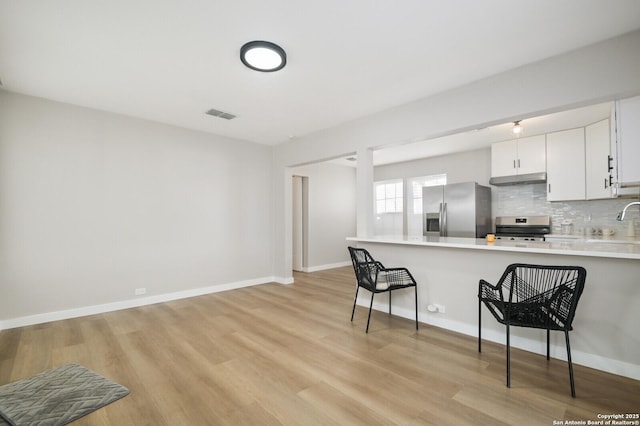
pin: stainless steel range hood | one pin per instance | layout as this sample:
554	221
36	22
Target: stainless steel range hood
519	179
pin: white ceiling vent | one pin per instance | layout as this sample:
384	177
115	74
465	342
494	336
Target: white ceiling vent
220	114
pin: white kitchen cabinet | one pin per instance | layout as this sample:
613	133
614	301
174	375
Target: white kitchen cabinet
628	140
532	155
598	160
566	165
518	156
504	156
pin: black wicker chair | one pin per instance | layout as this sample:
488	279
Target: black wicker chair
373	276
534	296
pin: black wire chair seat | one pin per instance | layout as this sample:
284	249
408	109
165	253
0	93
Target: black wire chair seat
374	277
534	296
545	310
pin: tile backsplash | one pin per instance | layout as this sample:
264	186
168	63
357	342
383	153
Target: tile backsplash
531	200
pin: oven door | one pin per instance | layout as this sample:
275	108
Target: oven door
522	232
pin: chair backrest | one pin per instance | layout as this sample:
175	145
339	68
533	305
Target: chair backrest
365	267
556	289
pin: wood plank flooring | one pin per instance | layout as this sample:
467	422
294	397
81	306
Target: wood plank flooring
276	354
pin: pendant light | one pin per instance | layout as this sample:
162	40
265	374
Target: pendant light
517	128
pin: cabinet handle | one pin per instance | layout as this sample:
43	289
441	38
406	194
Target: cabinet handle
514	164
605	183
549	188
518	163
609	161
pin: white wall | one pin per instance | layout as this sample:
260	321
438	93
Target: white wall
601	72
332	213
468	166
94	205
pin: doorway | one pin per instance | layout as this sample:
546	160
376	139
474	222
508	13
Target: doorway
300	222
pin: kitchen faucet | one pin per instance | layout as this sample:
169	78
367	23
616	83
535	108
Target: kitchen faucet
621	214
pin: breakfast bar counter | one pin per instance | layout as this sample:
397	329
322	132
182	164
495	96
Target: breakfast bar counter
621	248
448	269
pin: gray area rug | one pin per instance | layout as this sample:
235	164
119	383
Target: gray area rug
57	397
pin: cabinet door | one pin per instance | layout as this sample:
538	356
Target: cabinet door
628	129
597	151
532	155
566	165
504	158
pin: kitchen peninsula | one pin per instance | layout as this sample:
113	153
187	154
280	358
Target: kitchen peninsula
448	269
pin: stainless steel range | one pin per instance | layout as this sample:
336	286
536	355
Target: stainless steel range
522	228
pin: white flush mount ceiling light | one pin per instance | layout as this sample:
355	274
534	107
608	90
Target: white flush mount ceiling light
517	128
263	56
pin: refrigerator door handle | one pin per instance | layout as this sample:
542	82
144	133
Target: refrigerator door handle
443	217
440	220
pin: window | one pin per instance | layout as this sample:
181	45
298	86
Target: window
389	204
389	197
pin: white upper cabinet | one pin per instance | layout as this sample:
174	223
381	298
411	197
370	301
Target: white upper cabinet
598	160
566	165
628	140
518	156
532	155
579	163
504	156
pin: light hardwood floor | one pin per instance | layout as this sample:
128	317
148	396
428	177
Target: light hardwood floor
278	354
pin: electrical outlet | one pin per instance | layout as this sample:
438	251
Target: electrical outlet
436	308
140	291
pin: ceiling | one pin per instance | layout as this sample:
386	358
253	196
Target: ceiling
170	61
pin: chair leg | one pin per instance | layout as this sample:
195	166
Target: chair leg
353	311
548	344
369	317
479	325
416	290
389	303
573	386
508	358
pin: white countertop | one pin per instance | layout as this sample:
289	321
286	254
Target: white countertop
594	247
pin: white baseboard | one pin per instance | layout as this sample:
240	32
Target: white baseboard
283	280
133	303
586	359
327	266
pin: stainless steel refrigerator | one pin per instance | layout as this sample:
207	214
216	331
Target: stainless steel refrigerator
456	210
